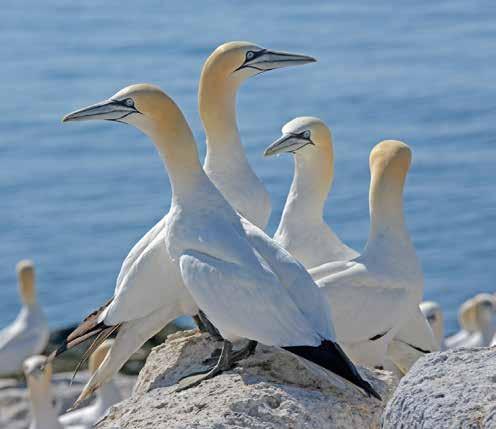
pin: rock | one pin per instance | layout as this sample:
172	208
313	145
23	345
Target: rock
451	389
271	389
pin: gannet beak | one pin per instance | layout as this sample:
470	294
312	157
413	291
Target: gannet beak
266	60
109	110
288	143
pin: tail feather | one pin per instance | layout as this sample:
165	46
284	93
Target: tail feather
89	327
330	356
101	337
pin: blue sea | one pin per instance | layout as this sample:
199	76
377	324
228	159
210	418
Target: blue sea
76	197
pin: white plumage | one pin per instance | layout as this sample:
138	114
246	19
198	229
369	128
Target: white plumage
234	272
304	233
29	333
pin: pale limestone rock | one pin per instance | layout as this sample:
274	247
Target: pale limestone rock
451	389
271	389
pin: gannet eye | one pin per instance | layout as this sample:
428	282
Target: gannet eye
250	55
306	134
129	102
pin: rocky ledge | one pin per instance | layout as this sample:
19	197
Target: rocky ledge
271	389
451	389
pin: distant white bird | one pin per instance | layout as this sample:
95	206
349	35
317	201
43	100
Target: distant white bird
248	286
106	396
434	314
304	233
148	275
374	295
38	372
29	333
39	376
477	317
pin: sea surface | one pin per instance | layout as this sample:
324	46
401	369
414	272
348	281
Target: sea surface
76	197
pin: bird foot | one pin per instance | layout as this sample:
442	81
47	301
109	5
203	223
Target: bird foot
224	363
197	378
214	357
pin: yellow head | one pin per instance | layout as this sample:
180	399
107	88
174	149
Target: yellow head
38	371
477	312
390	161
26	279
305	136
143	105
434	315
234	62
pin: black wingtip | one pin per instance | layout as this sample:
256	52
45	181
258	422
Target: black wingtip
371	391
330	356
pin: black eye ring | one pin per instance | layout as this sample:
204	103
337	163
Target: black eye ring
306	134
250	55
129	102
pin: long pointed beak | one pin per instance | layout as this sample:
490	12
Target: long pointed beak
271	60
110	110
287	143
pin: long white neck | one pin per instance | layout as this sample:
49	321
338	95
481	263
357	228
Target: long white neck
217	107
176	145
226	163
311	184
43	411
388	234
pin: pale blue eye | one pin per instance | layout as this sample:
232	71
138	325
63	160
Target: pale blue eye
250	55
306	134
129	102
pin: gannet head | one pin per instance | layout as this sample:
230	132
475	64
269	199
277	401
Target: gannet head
237	61
38	370
25	275
389	163
434	315
305	136
99	355
477	313
143	105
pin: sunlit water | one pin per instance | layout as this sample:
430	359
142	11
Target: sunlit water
75	197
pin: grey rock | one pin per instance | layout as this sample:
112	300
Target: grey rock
271	389
451	389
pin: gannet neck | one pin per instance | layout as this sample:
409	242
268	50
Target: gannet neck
217	104
217	107
26	279
175	142
389	164
38	378
43	412
312	182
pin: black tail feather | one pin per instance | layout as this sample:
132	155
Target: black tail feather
330	356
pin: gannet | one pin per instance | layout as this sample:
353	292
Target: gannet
148	263
226	165
106	396
304	233
38	374
477	318
302	230
28	334
248	285
373	295
433	313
